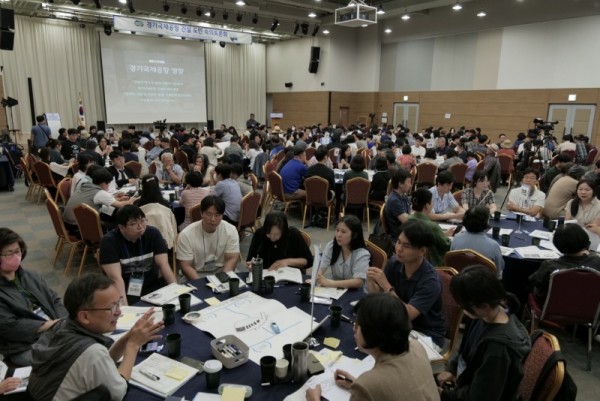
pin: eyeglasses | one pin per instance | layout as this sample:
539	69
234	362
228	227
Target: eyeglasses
138	223
113	308
212	215
8	254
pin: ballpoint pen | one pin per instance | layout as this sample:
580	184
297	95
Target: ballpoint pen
150	376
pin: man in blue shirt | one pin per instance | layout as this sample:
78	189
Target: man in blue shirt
410	277
397	206
40	133
292	175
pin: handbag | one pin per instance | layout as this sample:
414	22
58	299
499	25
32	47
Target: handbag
382	240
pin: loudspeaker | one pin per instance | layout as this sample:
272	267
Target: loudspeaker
210	125
7	18
101	125
289	84
7	39
315	55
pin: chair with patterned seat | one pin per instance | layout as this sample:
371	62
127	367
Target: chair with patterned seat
459	172
533	386
310	152
461	258
317	195
88	221
276	191
182	159
453	313
249	212
356	195
63	235
46	179
426	173
64	189
136	168
378	256
34	183
195	213
507	167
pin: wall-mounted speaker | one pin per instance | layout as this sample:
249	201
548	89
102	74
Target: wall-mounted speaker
288	84
7	39
315	55
101	125
210	125
7	18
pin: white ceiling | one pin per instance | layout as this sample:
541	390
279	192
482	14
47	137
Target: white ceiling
429	17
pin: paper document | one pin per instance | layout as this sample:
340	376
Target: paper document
506	250
540	234
533	252
329	292
167	295
21	373
131	314
503	231
218	286
287	273
161	375
427	343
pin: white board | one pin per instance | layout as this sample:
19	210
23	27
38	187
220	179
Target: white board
53	120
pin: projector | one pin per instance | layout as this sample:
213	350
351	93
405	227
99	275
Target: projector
356	14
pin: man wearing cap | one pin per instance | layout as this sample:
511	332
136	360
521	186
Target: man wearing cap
292	175
506	148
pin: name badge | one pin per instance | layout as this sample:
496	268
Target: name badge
41	314
135	286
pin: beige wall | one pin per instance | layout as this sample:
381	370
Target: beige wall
494	111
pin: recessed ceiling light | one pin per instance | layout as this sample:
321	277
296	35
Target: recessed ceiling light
123	1
380	10
312	14
387	30
364	25
326	32
406	17
207	13
481	14
457	7
240	3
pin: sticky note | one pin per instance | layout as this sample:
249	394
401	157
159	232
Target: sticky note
182	290
231	393
127	318
212	301
176	373
332	342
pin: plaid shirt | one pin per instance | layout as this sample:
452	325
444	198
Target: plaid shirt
468	197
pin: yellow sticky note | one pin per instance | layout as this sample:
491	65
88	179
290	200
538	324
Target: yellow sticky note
127	318
233	394
332	342
212	301
182	290
176	373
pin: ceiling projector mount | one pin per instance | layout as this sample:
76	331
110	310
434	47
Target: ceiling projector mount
356	14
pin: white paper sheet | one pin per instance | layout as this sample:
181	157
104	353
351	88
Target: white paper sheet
503	231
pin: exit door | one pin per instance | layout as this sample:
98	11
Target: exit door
344	116
573	119
406	114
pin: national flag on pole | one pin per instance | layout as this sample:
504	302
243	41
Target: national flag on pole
80	113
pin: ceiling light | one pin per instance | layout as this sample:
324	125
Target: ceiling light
97	3
239	17
166	6
207	13
387	30
225	15
316	30
274	25
240	3
183	9
120	1
406	17
130	6
364	25
296	28
312	14
457	7
380	10
255	19
326	32
481	14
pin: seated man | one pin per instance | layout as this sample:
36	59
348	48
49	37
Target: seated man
573	242
134	255
228	190
445	207
410	277
527	199
75	357
170	173
292	175
210	245
123	175
237	174
320	169
397	206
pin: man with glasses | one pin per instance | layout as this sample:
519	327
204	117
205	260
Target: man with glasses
210	245
75	358
134	255
410	277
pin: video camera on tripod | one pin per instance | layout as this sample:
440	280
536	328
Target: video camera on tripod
545	126
160	125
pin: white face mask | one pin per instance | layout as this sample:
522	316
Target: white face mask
525	189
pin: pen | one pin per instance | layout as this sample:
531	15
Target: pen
191	286
337	358
149	375
344	378
346	319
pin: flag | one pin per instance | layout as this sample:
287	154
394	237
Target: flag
80	113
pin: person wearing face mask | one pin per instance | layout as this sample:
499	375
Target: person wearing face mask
28	307
527	199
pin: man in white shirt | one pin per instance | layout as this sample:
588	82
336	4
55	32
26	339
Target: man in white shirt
210	245
445	207
527	199
418	149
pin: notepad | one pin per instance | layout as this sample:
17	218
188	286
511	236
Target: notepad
212	301
231	393
332	342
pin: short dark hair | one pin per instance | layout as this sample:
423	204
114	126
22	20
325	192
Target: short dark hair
100	175
417	233
40	118
399	176
237	169
224	170
564	157
91	144
114	154
357	163
127	213
80	292
8	237
384	323
479	175
477	285
194	179
476	219
450	153
321	153
420	198
571	238
445	177
406	149
297	150
212	200
125	144
430	153
83	161
380	163
530	170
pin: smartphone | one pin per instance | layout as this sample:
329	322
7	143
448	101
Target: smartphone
223	277
457	229
194	363
151	346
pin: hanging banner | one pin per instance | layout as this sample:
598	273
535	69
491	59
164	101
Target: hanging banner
186	31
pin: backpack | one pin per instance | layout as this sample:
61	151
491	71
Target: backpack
568	388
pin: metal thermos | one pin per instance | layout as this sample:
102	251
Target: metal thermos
299	362
257	275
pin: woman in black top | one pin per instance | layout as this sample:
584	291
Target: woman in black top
279	245
381	178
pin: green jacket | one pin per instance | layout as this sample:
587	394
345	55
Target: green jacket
441	243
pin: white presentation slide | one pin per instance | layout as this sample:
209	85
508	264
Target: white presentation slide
148	79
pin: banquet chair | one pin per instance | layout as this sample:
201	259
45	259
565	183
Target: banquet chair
64	189
62	234
533	387
458	196
254	180
573	299
459	172
152	168
480	165
305	237
182	160
453	313
195	213
136	167
507	167
461	258
277	194
44	174
591	157
426	173
378	256
333	154
357	195
317	191
248	212
310	152
34	183
88	221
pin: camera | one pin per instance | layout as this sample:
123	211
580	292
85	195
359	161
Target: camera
160	125
545	126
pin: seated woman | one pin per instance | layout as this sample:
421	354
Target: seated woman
201	166
585	208
357	169
489	364
475	222
157	209
407	160
479	193
402	371
192	195
422	204
381	178
28	307
345	260
345	157
279	245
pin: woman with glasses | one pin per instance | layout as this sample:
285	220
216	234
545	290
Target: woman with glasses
402	371
479	193
489	364
28	307
346	259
